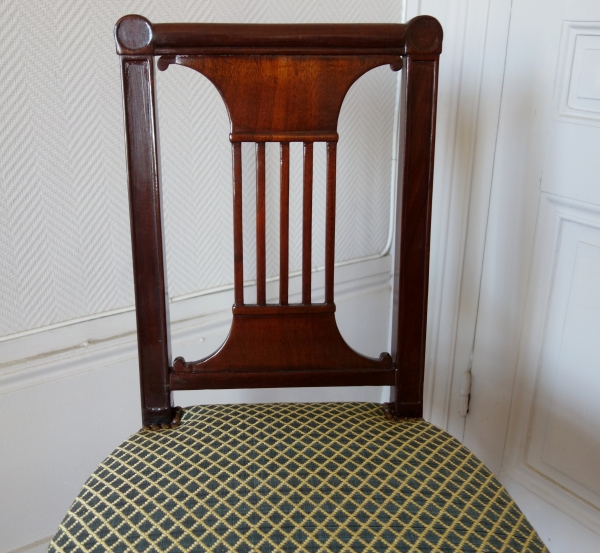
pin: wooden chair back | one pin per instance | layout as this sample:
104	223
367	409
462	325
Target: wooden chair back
282	83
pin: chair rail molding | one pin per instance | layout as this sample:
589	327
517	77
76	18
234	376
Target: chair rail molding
95	344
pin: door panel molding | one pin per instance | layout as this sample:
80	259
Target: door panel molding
577	90
565	265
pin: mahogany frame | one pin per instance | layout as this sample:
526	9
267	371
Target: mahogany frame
283	83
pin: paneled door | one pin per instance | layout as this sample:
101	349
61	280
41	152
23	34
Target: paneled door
535	400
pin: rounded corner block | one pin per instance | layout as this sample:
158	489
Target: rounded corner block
133	34
424	35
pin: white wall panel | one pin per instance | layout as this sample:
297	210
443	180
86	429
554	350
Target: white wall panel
64	230
573	410
553	447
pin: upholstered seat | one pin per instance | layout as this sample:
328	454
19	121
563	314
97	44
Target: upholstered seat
294	477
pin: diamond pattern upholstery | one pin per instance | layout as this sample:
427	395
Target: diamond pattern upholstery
331	477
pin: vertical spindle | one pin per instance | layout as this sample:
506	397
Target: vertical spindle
330	222
284	224
238	248
261	263
307	223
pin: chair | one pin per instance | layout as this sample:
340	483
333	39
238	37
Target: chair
287	477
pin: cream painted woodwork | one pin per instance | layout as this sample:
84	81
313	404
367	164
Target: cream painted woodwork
534	414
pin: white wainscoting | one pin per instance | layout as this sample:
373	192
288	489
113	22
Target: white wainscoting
70	395
552	448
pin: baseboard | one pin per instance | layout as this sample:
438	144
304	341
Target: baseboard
557	496
38	546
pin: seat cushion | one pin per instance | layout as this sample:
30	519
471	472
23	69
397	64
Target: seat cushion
294	477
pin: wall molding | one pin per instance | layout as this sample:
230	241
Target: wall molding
206	292
556	495
91	345
522	461
570	106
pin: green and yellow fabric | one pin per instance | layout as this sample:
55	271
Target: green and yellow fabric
330	477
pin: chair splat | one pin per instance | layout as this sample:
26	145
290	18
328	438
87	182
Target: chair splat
298	99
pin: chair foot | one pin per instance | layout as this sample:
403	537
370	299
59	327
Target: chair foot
178	413
388	413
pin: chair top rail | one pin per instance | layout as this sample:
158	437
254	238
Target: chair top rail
135	35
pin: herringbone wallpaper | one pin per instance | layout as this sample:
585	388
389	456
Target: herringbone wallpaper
64	223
